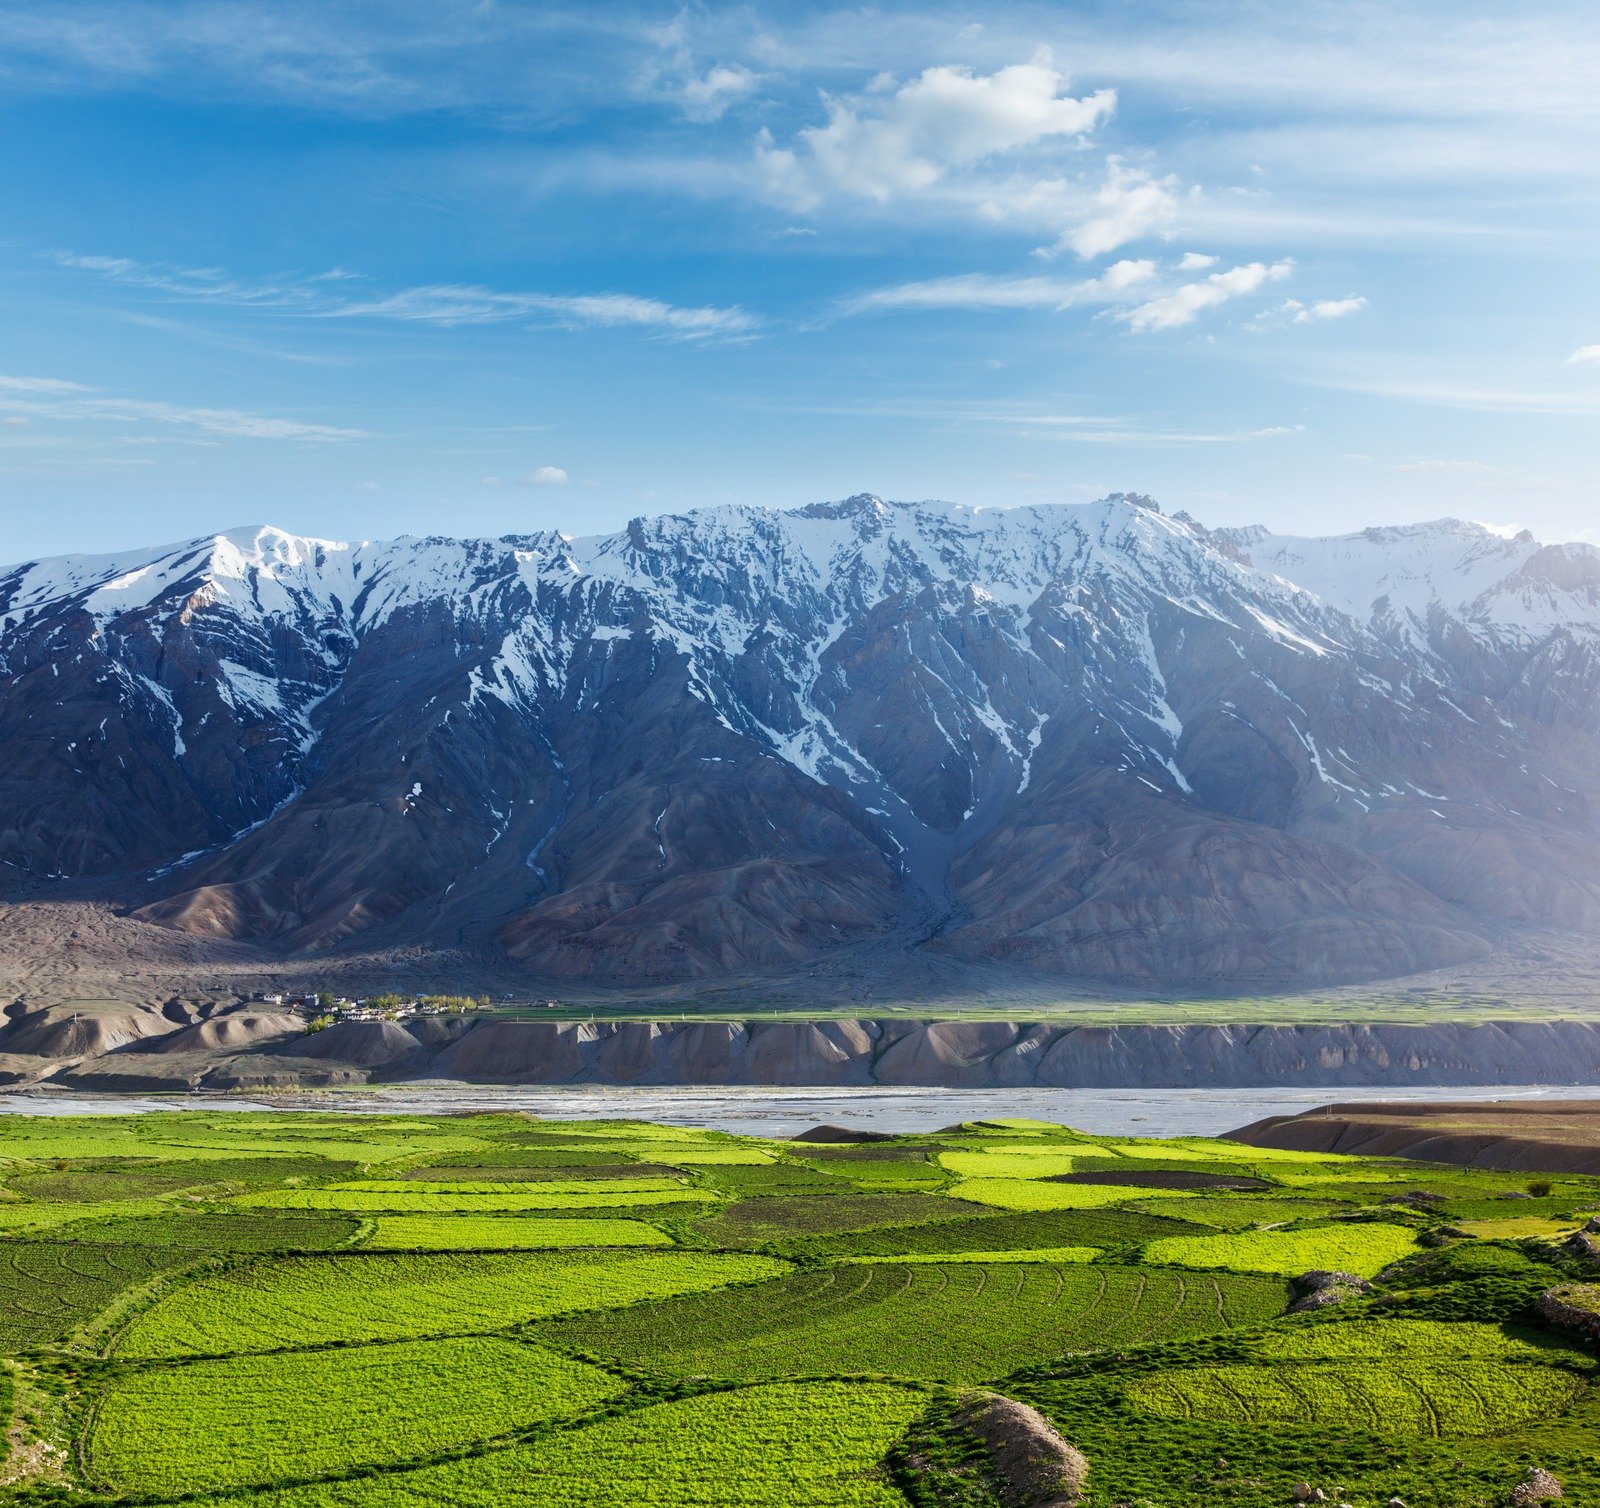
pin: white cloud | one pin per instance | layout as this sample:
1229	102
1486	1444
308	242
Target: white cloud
1480	397
1128	205
465	304
1195	261
51	385
708	98
909	141
1293	311
1186	303
17	421
1330	308
48	398
441	304
976	290
540	476
1585	354
1087	429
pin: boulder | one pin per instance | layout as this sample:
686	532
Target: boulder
1320	1288
1538	1487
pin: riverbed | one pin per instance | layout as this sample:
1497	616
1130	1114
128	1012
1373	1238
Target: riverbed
784	1112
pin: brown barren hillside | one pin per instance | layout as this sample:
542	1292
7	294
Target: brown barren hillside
1550	1136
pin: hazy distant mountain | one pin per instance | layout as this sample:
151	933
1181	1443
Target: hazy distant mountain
1088	740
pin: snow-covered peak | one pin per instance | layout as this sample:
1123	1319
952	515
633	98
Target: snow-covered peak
1395	574
718	573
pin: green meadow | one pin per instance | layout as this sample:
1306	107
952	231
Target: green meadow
496	1311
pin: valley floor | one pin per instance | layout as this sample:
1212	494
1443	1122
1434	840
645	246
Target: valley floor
331	1311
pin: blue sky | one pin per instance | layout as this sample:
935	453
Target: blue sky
439	267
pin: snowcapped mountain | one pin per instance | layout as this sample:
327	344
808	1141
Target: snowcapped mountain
1088	740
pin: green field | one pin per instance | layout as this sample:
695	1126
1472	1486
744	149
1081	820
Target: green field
505	1233
958	1321
1362	1248
1407	1397
309	1414
307	1301
298	1310
817	1445
415	1198
48	1287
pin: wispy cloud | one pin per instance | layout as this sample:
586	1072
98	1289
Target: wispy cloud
1185	304
451	304
1089	429
321	296
983	291
540	476
710	96
1584	354
51	385
201	284
1486	398
51	398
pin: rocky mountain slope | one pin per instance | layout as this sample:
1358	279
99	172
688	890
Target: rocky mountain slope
1089	741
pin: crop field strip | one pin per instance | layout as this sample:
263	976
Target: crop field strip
1405	1396
756	1221
505	1233
415	1199
1364	1248
801	1445
269	1348
297	1302
956	1321
182	1428
47	1288
208	1230
1237	1212
1101	1227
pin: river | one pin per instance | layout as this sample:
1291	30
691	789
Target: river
783	1112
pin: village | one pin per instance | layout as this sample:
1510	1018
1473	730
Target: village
323	1009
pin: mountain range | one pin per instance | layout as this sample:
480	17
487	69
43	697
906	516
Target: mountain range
1088	741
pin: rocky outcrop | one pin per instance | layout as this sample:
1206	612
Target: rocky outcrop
1323	1288
1572	1306
1034	1465
1547	1136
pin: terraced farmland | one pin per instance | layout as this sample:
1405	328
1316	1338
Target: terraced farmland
306	1301
959	1321
1363	1248
817	1445
1407	1396
490	1311
753	1221
505	1233
178	1429
415	1198
48	1287
1036	1195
